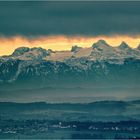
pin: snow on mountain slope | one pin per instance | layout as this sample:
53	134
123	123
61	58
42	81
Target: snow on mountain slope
126	52
99	65
59	55
25	53
101	51
20	51
98	51
84	52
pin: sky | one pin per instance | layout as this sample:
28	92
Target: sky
60	24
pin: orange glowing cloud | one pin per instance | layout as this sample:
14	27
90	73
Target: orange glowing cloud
8	45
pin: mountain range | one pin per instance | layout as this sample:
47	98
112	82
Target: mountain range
98	51
100	65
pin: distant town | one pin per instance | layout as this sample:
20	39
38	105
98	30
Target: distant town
76	129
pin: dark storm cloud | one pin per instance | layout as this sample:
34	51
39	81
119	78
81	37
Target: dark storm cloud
69	18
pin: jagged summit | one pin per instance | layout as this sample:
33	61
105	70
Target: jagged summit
124	45
101	41
101	44
100	50
41	51
37	49
75	48
25	53
20	51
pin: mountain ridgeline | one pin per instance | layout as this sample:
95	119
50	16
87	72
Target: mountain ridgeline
100	65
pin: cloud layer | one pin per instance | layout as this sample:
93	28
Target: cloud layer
69	18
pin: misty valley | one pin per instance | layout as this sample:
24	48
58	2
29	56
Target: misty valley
27	129
98	120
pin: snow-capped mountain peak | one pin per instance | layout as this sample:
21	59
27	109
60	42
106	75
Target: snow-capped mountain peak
101	41
101	45
124	46
20	51
75	48
98	51
102	50
25	53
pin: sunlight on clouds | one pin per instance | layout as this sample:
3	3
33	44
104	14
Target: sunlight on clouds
8	45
